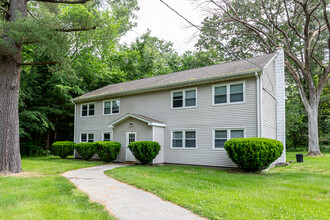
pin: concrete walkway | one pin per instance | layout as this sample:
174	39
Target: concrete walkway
122	200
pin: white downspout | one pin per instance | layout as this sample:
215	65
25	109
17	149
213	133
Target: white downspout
258	104
74	127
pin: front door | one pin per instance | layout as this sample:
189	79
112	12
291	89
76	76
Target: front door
130	137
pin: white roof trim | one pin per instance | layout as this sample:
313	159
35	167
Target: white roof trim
150	123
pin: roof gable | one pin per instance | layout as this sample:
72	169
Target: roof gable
149	121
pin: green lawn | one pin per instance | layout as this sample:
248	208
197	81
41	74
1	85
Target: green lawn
298	191
42	193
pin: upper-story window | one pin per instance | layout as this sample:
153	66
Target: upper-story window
88	109
184	98
231	93
111	107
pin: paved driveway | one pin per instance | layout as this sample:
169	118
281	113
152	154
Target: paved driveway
122	200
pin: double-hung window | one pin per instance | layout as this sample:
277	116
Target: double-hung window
111	107
184	139
231	93
85	137
87	109
184	98
106	136
220	136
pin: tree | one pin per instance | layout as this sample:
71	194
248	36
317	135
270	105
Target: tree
57	30
300	27
146	56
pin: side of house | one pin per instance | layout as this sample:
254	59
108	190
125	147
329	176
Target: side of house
191	120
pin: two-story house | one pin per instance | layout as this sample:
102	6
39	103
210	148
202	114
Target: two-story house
191	113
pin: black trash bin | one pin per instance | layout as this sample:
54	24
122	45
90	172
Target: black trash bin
300	158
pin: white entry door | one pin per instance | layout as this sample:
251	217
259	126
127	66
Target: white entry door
130	137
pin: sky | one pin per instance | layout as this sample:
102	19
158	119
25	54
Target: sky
167	25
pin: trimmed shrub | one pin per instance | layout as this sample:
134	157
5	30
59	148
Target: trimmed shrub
63	148
86	150
144	151
108	150
253	154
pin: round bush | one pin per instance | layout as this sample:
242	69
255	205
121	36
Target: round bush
144	151
108	150
62	148
86	150
253	154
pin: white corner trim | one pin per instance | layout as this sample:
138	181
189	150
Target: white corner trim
258	103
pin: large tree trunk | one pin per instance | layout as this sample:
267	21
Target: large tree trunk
10	56
10	157
313	134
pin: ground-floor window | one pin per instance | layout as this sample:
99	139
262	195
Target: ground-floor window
107	136
184	139
220	136
85	137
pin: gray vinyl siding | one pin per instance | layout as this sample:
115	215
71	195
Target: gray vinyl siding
203	118
143	133
269	102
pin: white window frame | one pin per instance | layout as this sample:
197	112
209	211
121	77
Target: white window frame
184	98
110	100
228	135
107	132
87	133
228	93
87	116
184	139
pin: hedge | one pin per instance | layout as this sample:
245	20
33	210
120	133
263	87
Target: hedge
86	149
62	148
253	154
144	151
108	150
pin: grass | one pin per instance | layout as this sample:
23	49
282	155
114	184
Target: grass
42	193
297	191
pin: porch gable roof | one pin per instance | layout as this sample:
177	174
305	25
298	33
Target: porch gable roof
149	121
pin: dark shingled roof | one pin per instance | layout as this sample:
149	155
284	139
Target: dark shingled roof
221	70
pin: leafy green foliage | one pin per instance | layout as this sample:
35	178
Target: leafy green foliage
108	150
144	151
253	154
63	148
86	150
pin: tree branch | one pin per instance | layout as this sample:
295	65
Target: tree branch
325	14
76	29
4	10
64	1
38	63
301	90
289	22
